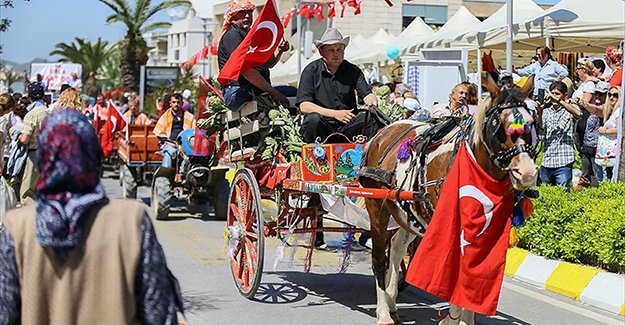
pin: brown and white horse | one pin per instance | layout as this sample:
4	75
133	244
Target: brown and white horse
498	153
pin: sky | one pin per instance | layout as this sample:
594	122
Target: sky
37	26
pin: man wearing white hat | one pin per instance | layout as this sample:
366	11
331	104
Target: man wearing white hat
327	93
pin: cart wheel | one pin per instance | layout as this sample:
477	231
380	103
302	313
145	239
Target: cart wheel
221	193
161	197
129	184
246	246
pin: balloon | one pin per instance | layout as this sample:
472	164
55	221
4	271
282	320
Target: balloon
392	52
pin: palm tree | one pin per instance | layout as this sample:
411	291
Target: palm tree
11	77
109	74
90	55
134	48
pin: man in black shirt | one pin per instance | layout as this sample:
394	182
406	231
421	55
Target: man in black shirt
237	23
327	93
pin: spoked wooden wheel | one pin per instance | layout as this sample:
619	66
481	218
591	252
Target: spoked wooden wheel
246	245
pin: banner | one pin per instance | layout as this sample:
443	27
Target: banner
54	74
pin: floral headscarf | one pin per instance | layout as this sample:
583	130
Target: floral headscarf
69	158
614	53
233	8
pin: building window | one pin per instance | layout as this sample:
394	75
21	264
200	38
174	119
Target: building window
176	55
432	15
183	39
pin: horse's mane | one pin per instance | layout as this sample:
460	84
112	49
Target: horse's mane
506	96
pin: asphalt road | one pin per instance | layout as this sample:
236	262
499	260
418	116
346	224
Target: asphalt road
195	253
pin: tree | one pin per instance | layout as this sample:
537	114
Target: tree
134	49
109	74
11	77
90	55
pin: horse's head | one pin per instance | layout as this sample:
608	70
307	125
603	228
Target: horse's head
506	128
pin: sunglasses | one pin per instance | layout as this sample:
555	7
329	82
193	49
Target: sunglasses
615	95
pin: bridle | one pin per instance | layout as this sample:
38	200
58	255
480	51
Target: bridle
502	157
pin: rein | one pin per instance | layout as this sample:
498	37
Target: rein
492	125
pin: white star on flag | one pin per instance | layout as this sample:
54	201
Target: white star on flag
463	242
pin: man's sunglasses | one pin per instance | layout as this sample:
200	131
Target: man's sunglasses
615	95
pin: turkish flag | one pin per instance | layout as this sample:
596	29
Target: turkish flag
286	19
318	12
331	10
343	5
305	12
462	256
115	122
257	47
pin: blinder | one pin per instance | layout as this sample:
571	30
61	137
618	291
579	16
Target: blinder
495	136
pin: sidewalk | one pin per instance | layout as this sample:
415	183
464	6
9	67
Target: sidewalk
589	285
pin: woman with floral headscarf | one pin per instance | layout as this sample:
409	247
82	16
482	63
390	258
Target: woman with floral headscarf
614	59
78	257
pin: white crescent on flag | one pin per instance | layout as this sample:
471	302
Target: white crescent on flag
274	33
474	192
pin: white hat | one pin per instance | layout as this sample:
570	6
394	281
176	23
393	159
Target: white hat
411	104
332	36
602	87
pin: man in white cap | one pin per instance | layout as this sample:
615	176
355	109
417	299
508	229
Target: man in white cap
327	93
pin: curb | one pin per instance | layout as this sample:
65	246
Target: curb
589	285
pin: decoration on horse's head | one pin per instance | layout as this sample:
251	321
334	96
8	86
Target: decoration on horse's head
519	126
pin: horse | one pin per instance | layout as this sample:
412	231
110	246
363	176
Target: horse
497	152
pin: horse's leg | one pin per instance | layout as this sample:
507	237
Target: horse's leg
467	317
453	316
379	217
399	246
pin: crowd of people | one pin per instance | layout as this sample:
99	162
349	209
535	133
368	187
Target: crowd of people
52	155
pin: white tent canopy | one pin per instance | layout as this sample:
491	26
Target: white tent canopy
570	25
380	40
523	10
417	28
459	22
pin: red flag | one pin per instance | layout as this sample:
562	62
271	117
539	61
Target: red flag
331	10
286	19
343	5
461	258
305	12
115	122
257	47
356	5
318	12
204	52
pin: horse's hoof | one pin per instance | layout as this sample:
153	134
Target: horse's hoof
395	317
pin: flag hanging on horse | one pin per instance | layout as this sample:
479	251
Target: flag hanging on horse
257	47
461	258
114	123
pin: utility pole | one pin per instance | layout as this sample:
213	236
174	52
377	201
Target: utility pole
299	38
509	38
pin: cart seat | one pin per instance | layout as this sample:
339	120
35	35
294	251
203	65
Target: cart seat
244	129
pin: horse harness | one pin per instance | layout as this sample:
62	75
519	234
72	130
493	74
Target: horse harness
426	142
431	139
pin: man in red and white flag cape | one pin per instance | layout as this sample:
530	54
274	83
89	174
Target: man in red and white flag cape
114	123
245	69
461	258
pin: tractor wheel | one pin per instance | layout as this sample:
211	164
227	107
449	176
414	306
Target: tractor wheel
161	197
